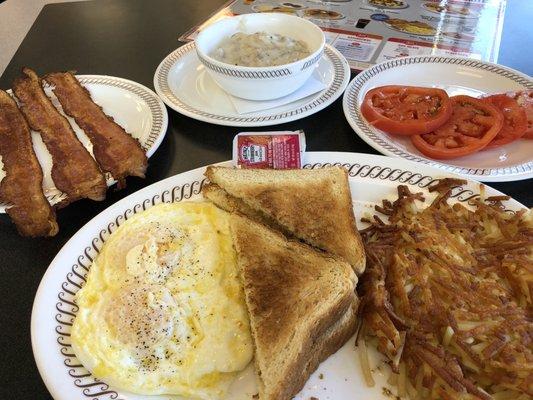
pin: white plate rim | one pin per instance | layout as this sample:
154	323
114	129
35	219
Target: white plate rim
60	279
329	95
157	109
357	122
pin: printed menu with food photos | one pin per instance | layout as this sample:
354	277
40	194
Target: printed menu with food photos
367	32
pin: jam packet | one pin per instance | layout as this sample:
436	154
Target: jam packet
270	150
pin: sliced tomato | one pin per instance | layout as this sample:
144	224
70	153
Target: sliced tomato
406	110
472	126
524	98
514	120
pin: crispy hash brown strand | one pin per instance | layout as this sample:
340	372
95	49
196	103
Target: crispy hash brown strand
116	151
22	185
448	296
74	171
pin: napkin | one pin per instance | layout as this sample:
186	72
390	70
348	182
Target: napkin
311	86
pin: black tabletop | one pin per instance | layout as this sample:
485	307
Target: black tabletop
129	38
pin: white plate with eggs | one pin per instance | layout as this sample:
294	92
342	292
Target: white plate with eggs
224	346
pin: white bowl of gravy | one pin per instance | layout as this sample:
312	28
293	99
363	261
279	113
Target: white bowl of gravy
260	56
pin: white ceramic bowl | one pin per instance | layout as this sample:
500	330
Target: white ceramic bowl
260	83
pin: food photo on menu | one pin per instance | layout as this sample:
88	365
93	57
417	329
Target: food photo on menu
309	200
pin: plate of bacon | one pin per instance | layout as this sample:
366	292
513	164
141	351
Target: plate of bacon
65	137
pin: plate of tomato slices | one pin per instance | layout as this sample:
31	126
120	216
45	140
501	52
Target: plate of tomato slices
464	116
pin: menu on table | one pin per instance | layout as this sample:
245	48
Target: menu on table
367	32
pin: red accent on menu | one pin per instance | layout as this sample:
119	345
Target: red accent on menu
395	47
427	44
352	33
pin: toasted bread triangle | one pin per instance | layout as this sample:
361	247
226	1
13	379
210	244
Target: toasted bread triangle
314	206
301	305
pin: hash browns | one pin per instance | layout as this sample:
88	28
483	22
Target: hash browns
447	295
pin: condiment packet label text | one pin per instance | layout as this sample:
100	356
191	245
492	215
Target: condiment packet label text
269	150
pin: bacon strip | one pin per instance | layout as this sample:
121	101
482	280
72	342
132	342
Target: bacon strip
74	171
22	185
116	151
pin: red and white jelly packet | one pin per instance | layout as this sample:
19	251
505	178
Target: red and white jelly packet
274	150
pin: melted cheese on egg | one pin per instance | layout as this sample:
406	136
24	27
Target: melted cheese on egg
162	311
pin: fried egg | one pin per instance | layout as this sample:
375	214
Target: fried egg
163	311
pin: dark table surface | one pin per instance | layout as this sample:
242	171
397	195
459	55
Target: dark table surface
129	38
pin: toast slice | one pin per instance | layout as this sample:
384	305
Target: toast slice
327	344
301	303
314	206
